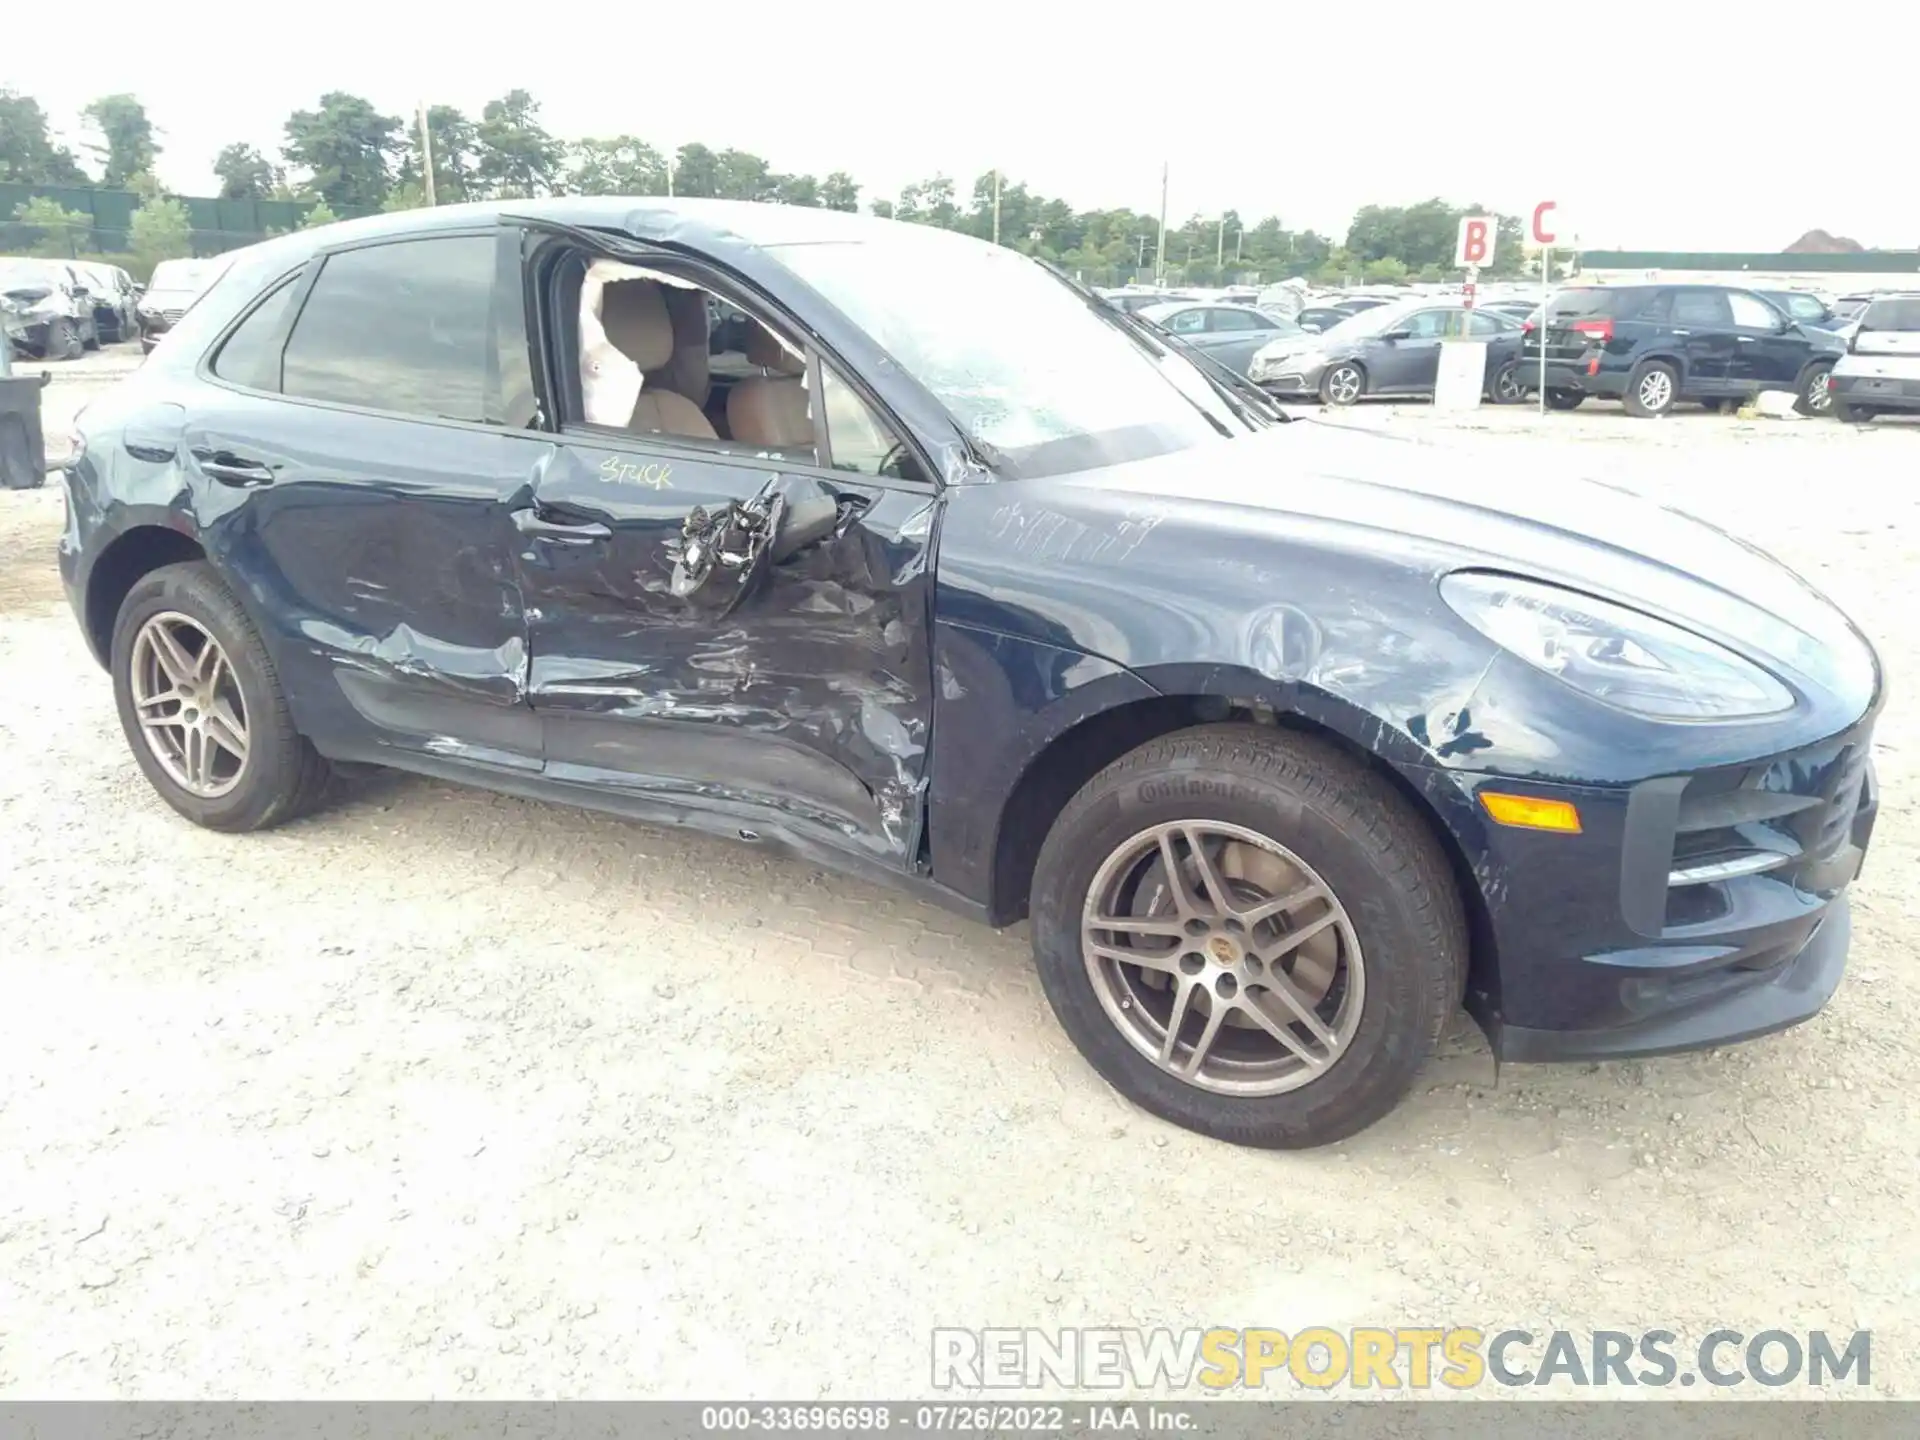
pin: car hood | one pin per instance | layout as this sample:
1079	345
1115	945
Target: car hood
1447	510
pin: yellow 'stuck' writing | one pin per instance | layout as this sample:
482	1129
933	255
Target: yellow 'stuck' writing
655	476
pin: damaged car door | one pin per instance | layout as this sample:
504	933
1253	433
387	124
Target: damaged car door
362	436
730	632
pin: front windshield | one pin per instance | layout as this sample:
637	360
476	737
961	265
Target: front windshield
1025	363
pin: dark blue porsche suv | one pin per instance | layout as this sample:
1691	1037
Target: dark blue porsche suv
927	564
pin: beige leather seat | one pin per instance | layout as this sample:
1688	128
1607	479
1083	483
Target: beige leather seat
687	372
634	315
771	409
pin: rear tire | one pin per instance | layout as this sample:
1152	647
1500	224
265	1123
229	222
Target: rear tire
1506	388
1848	414
1282	809
1565	399
1811	395
280	776
1652	389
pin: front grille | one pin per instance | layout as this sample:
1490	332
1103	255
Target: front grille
1782	818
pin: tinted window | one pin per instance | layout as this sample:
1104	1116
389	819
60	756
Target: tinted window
1901	313
1569	305
1752	313
251	356
1487	324
399	327
1238	320
1701	307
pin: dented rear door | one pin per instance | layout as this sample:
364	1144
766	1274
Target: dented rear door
797	701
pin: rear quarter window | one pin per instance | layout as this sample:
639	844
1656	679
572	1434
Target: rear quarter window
1621	303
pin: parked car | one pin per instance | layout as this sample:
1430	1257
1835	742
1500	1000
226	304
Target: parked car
1286	738
1805	308
1388	350
1229	333
55	312
1134	301
171	291
1654	346
115	300
1881	369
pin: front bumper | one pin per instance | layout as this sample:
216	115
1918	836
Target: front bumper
1292	376
1690	911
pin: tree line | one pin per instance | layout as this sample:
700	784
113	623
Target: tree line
348	157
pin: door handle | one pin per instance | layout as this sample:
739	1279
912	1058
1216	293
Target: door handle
528	522
231	469
1745	339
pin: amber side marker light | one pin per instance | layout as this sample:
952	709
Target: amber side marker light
1523	812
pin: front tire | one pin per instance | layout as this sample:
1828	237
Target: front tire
63	340
202	707
1283	945
1343	383
1652	389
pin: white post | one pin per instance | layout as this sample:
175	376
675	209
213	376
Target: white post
1546	299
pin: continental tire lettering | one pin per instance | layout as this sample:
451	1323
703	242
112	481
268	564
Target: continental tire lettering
1197	787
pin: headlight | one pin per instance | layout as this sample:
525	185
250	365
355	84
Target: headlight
1618	656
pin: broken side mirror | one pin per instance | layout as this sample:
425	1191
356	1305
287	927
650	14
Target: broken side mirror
811	514
721	556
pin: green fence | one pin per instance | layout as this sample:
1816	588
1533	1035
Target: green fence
217	225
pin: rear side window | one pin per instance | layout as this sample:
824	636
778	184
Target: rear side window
403	326
1236	320
251	356
1701	307
1899	313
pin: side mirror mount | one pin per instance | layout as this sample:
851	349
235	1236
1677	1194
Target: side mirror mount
1398	335
810	515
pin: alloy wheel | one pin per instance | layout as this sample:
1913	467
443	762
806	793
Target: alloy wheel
189	705
1819	392
1343	386
1656	390
1222	957
1506	386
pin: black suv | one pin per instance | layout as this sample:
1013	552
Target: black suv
1652	346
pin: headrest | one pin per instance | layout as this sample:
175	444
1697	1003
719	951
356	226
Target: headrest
769	354
634	315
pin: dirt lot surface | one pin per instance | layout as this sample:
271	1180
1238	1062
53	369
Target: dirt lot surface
440	1093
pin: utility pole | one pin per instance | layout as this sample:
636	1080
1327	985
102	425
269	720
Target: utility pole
996	207
1220	248
1160	256
426	156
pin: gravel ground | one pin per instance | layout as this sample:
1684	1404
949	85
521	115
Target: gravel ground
445	1094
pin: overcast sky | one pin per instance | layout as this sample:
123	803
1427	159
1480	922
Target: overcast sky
1695	124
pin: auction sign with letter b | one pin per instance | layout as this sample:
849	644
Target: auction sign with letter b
1476	242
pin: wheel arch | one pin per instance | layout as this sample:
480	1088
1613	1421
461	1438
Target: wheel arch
1057	771
130	556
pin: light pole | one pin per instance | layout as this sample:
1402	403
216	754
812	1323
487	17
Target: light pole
426	156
